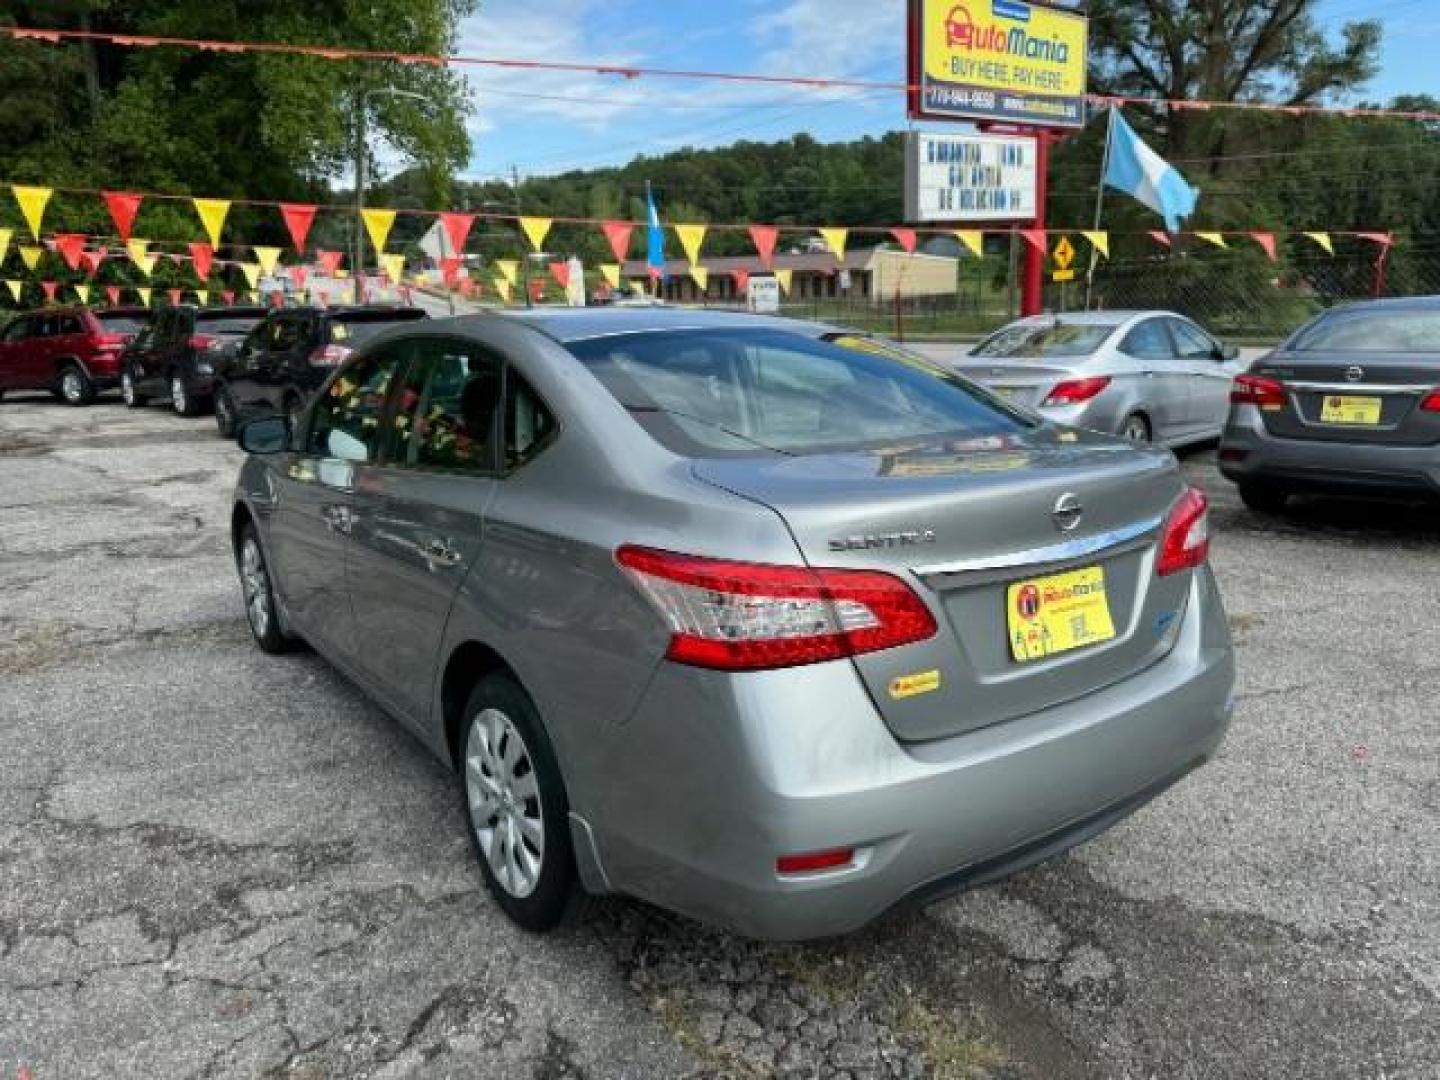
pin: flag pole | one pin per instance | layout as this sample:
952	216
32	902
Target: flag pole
1100	203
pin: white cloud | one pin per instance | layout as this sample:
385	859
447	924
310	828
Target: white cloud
832	37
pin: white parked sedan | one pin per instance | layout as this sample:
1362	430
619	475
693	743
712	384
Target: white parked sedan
1150	376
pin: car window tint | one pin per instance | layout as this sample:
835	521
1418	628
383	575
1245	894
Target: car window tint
1043	340
284	334
1379	329
1190	343
446	417
528	422
1148	341
346	422
18	330
68	324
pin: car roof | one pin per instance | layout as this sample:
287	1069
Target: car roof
1113	317
579	324
350	310
1392	303
241	312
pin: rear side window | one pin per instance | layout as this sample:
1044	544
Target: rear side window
529	424
724	392
1373	330
68	324
447	418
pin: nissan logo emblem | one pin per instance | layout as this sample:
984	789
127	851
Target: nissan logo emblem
1354	374
1067	512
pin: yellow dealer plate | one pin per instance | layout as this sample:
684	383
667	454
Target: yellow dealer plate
1350	410
1055	614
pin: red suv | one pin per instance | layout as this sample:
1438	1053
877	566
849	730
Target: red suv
72	352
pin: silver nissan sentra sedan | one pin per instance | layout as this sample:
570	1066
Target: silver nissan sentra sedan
767	623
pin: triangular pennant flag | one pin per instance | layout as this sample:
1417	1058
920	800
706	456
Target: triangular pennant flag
213	213
112	293
202	295
123	207
329	260
1036	238
323	295
1384	239
266	257
611	273
5	235
973	239
537	289
691	237
1099	240
147	264
32	202
1323	239
30	255
70	246
394	267
298	219
202	257
136	250
619	233
1218	239
1266	240
175	295
906	239
92	260
742	281
49	287
1161	238
457	230
228	295
297	275
502	286
508	267
82	290
14	287
145	295
252	273
377	224
536	228
450	269
701	276
784	277
835	241
561	273
764	238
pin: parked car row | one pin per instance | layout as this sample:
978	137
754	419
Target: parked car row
75	353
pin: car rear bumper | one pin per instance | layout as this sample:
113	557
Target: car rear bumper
1250	454
723	774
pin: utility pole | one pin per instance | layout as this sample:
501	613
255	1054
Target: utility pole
520	232
358	266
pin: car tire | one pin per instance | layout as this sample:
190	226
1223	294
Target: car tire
1264	498
225	414
181	398
129	392
1135	428
515	793
258	593
76	389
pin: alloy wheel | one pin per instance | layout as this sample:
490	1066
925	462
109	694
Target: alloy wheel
503	796
177	394
255	584
1136	430
71	385
127	388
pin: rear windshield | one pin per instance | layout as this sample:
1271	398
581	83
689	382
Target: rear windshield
353	329
117	322
723	392
1045	340
1375	330
227	324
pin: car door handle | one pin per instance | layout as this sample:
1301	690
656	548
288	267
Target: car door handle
440	551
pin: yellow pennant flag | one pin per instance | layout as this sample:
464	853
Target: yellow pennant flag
213	213
83	291
1213	238
691	237
252	273
14	287
611	271
267	257
508	267
536	228
203	295
147	264
145	295
1100	241
502	286
5	235
30	255
783	277
32	202
377	224
835	240
1321	238
701	276
973	239
136	250
394	267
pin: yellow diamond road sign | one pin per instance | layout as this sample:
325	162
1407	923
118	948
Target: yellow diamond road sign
1064	254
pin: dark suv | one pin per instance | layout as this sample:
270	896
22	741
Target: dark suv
278	368
72	352
176	356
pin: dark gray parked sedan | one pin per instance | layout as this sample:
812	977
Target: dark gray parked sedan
772	625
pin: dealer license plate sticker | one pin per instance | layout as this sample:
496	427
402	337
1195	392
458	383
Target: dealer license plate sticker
1339	409
1055	614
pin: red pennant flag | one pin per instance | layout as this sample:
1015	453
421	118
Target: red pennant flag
450	269
228	295
202	257
70	246
537	288
324	295
123	207
906	238
112	293
764	237
298	218
277	298
742	281
561	273
1384	239
49	287
457	230
1036	238
92	261
1161	238
467	287
619	233
1267	241
297	275
174	295
329	260
407	294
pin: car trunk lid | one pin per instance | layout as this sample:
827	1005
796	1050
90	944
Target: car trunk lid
1354	397
1017	381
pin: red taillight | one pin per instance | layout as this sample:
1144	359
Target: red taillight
1431	403
736	616
205	343
110	342
1185	539
814	861
1257	390
1075	391
328	356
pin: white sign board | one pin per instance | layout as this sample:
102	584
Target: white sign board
969	177
764	295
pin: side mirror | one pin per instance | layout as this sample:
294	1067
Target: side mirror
268	435
1229	352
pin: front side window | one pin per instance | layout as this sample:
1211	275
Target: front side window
284	335
1148	341
1191	343
346	422
448	408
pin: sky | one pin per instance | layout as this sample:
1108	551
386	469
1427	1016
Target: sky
545	122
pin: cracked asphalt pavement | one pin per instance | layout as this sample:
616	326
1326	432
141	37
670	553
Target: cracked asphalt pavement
216	863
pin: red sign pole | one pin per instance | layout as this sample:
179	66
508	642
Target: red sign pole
1032	280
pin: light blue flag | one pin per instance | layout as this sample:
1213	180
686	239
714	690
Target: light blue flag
1143	174
656	235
